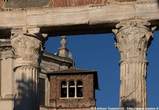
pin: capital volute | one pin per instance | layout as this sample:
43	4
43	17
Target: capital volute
27	44
29	31
133	37
132	23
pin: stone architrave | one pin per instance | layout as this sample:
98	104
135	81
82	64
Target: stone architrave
27	45
133	37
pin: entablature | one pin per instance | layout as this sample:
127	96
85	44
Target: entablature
79	20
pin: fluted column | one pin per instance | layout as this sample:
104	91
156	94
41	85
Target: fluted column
133	37
27	45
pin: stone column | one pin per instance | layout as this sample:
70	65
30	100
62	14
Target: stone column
27	45
133	37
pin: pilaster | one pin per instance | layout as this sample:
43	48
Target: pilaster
133	37
6	75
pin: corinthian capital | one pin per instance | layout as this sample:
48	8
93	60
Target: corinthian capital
26	43
132	38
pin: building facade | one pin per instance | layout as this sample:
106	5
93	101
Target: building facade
53	71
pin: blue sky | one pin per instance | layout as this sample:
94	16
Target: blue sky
97	52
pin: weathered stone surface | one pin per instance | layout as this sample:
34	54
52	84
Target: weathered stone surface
21	41
80	19
27	45
25	3
133	37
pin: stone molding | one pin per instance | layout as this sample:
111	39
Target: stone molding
5	49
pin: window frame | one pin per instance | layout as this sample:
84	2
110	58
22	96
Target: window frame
68	86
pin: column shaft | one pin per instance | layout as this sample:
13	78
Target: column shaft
133	37
133	84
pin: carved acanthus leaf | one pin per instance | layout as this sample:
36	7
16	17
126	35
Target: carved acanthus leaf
133	37
26	46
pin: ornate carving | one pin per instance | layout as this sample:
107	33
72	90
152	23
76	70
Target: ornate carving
132	37
26	44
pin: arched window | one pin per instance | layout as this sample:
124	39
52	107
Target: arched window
64	89
71	89
79	89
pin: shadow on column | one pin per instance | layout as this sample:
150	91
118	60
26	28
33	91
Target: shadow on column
26	99
129	104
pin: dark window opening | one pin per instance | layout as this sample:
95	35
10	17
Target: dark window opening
71	92
79	89
72	89
64	89
42	91
64	92
79	92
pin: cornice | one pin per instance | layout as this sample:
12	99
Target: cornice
50	56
